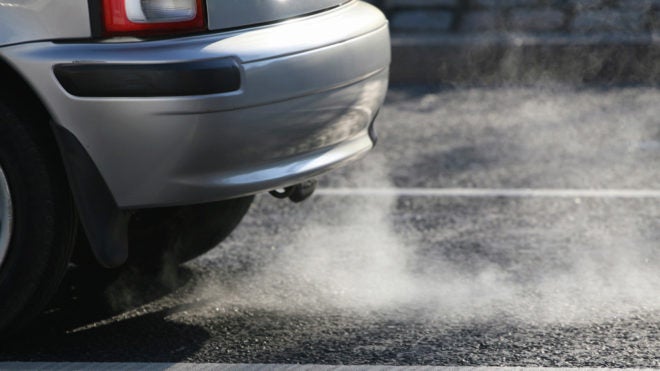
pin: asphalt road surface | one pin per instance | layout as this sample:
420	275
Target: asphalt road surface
491	227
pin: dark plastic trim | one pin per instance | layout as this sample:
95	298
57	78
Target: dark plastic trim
213	76
95	17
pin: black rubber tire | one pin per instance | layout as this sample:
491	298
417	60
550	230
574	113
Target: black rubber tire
43	232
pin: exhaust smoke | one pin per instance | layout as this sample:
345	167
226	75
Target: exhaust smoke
526	259
369	255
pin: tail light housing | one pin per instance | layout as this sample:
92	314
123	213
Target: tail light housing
152	17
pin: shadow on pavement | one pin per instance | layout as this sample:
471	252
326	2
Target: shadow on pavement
108	318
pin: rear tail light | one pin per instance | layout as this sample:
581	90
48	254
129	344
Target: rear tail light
148	17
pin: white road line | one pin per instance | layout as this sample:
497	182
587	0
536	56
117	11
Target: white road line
492	192
256	367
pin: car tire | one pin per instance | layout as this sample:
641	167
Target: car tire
39	221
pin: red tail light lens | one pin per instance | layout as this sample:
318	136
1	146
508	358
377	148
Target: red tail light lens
149	17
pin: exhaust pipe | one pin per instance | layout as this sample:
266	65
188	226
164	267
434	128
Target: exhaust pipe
297	193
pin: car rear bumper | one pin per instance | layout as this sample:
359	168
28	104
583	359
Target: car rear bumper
298	101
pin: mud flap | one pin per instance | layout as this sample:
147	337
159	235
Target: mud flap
105	225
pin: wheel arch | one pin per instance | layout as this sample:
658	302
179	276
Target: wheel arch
103	222
19	94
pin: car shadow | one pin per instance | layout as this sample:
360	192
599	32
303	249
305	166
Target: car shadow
103	317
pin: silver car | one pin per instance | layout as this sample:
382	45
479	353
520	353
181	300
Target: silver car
136	132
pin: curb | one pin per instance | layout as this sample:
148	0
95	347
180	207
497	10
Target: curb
522	59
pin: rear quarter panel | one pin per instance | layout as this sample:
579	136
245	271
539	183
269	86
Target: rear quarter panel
33	20
225	14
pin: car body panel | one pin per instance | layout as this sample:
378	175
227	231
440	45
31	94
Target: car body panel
310	88
225	14
33	20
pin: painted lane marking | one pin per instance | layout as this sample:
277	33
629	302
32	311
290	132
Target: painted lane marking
61	366
492	192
